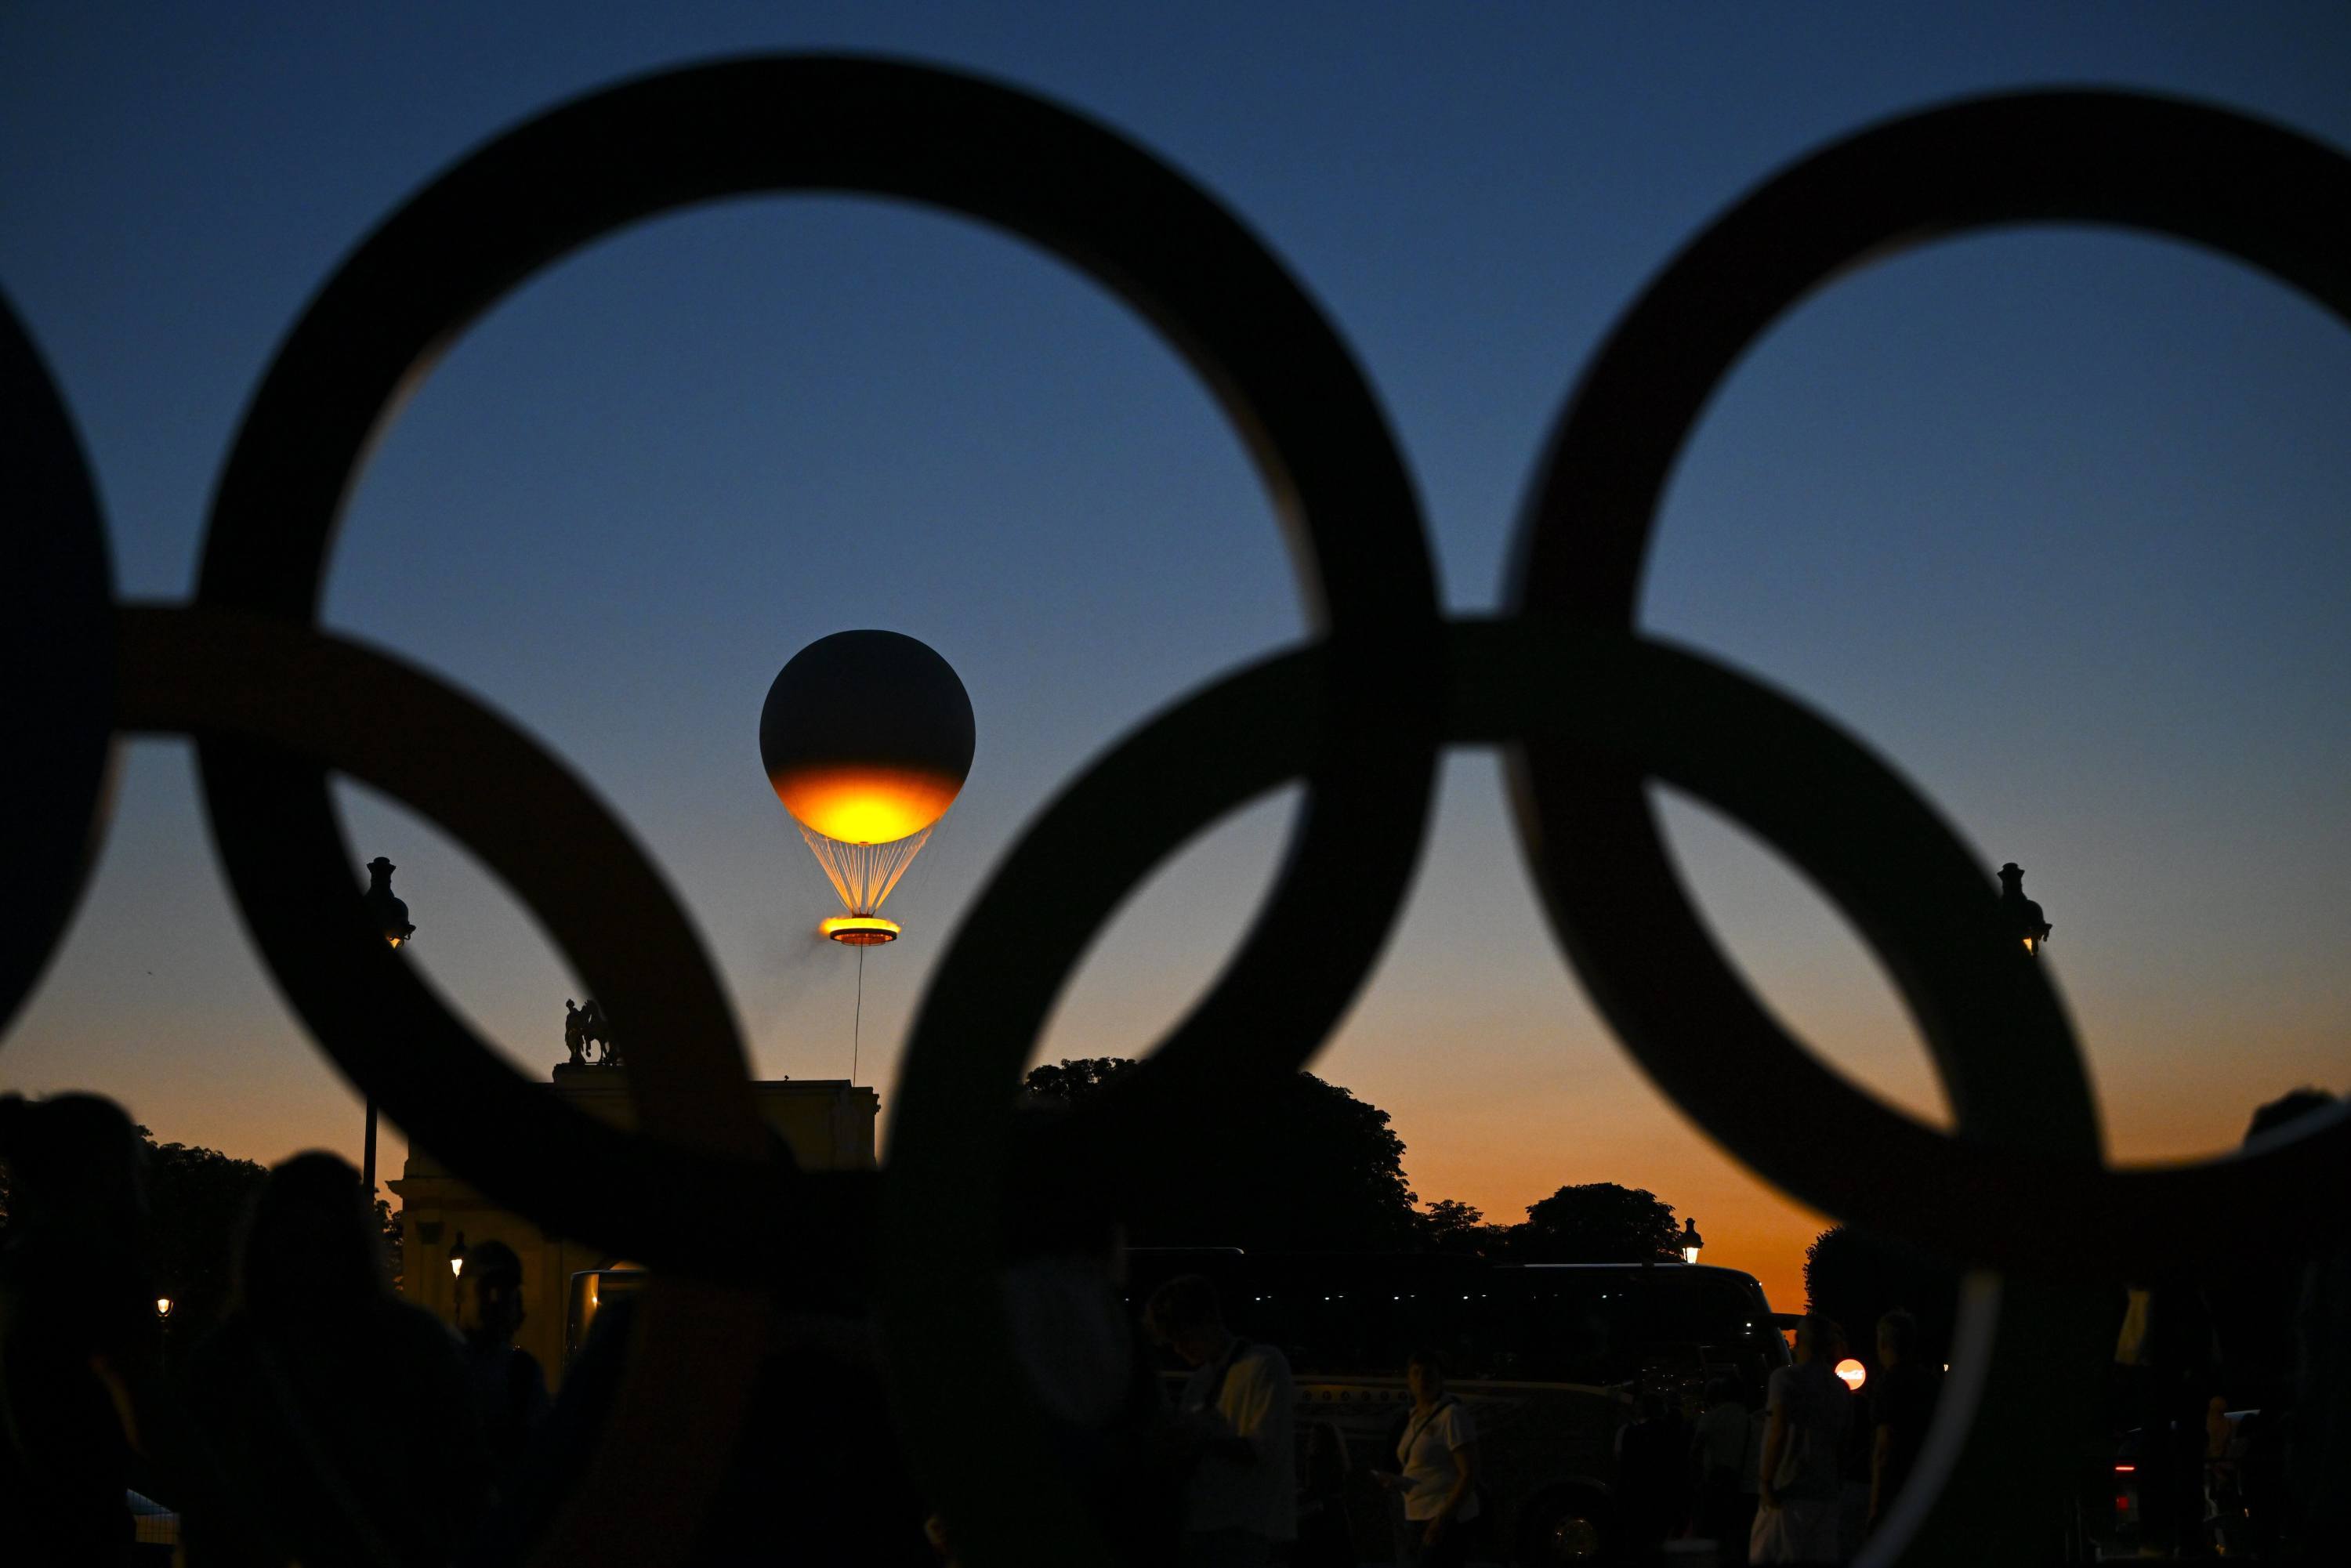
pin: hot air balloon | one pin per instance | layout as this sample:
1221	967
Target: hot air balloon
867	737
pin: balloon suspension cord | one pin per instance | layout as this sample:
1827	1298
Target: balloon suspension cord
857	1019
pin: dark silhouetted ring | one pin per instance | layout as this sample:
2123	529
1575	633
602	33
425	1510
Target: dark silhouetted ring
57	642
2254	192
771	125
1915	891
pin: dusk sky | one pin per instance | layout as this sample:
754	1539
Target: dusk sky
2053	518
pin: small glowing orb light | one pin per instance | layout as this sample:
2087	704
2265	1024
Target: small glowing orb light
867	737
1852	1373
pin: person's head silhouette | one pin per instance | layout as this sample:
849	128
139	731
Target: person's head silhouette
490	1298
73	1159
1818	1338
1897	1338
310	1243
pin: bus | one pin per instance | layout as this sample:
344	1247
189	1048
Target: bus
591	1290
1550	1358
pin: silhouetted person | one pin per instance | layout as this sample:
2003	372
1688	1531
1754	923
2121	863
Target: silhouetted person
1853	1466
1233	1422
1725	1451
1652	1465
1901	1405
1807	1410
78	1328
1095	1382
510	1385
2318	1455
1324	1538
2168	1362
815	1475
1437	1469
2253	1310
341	1412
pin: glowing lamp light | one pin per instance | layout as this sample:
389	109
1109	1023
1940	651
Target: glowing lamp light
162	1307
1852	1374
1690	1241
457	1258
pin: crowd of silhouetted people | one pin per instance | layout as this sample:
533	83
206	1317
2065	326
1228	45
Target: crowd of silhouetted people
2234	1396
1800	1470
323	1420
326	1421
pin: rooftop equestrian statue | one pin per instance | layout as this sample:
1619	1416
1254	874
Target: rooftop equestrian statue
584	1027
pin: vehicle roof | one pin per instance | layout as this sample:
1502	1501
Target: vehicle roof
1432	1262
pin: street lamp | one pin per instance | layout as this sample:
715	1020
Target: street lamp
457	1258
2024	915
163	1307
1691	1241
391	918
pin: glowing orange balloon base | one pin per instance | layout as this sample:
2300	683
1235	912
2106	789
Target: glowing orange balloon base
859	930
870	804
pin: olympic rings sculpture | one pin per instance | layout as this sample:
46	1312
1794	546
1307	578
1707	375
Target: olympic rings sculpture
1588	710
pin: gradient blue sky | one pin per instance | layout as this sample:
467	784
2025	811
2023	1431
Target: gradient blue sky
2054	517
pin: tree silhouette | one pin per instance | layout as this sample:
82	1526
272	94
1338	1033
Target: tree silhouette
1449	1225
197	1198
1310	1168
1598	1222
196	1201
1857	1277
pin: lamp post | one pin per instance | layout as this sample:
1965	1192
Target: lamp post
391	918
457	1258
163	1307
2024	915
1691	1241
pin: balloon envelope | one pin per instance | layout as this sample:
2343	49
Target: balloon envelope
867	737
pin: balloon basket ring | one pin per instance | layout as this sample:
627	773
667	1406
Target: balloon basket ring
859	930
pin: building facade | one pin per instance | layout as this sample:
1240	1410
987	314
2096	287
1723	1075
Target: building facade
828	1124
